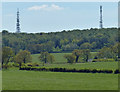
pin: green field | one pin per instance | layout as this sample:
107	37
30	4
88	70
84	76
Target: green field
14	79
31	80
97	65
0	80
59	57
60	61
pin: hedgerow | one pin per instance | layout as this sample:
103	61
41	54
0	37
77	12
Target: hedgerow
103	60
117	71
29	68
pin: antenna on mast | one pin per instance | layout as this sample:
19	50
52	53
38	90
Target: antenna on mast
101	21
18	22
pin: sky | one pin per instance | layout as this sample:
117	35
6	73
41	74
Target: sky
38	17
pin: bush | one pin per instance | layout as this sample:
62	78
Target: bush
36	64
117	71
16	64
94	71
4	66
7	66
103	60
29	64
66	70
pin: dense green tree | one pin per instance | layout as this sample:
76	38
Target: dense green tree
93	45
115	48
70	47
86	46
43	57
23	57
93	39
77	54
85	54
51	58
70	58
106	52
46	57
115	51
4	32
7	54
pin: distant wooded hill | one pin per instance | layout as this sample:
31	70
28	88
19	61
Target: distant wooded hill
93	39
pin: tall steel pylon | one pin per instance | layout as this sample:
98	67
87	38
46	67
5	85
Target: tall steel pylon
18	22
101	21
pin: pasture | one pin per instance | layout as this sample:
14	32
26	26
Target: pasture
0	80
59	57
14	79
60	61
92	65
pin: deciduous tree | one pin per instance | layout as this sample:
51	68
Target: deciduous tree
23	57
46	57
70	58
106	52
76	53
7	54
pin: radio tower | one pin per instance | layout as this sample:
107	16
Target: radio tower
101	21
18	22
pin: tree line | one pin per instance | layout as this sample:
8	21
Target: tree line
24	56
93	39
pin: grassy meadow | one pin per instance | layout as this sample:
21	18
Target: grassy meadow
59	57
0	80
60	61
30	80
15	79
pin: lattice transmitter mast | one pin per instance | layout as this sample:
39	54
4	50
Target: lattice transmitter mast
18	22
101	21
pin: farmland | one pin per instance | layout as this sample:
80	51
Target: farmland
35	80
30	80
60	61
59	57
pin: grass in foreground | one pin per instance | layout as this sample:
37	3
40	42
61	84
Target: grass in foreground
0	79
31	80
14	79
91	65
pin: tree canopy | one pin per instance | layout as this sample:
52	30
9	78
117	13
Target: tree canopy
46	57
23	57
7	54
93	39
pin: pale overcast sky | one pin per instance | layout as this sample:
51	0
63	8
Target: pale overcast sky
58	16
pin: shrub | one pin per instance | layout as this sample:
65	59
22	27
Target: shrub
116	71
9	65
4	66
103	60
29	64
36	64
94	71
67	70
16	64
